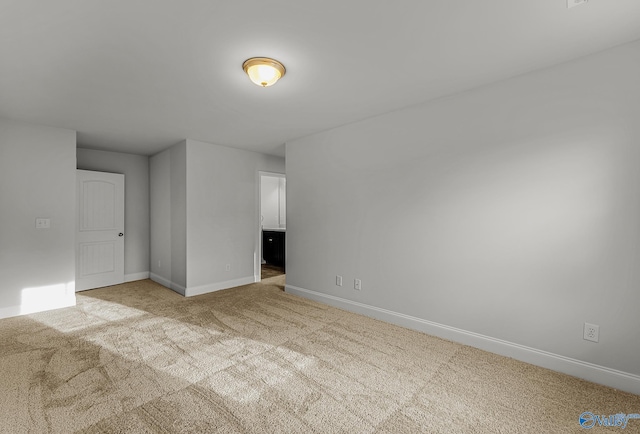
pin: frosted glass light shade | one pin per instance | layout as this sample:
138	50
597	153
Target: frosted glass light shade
263	71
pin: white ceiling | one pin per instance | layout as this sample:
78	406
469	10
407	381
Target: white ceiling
138	76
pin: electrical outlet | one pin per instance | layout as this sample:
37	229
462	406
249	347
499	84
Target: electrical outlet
227	267
591	332
43	223
338	280
357	284
572	3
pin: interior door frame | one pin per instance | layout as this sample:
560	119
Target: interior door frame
258	254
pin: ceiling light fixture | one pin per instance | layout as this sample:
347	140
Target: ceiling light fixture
263	71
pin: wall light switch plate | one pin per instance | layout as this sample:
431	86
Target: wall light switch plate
573	3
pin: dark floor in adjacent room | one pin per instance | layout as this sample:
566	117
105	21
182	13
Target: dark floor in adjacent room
268	271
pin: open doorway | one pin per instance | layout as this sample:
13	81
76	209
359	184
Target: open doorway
273	225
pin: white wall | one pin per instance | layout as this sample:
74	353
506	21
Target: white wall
179	191
168	226
160	217
272	202
269	202
282	202
206	197
136	177
504	217
37	180
222	216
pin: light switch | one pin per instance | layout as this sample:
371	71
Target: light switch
43	223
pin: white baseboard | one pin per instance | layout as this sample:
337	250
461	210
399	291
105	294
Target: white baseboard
577	368
204	289
159	279
167	283
136	276
67	301
8	312
178	288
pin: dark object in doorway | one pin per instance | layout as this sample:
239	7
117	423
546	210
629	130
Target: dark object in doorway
273	243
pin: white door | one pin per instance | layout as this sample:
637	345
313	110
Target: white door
99	229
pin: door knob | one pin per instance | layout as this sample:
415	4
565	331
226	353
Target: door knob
121	234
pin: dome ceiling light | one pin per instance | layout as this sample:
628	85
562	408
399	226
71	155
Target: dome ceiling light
263	71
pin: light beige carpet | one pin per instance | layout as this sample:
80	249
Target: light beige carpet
138	358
